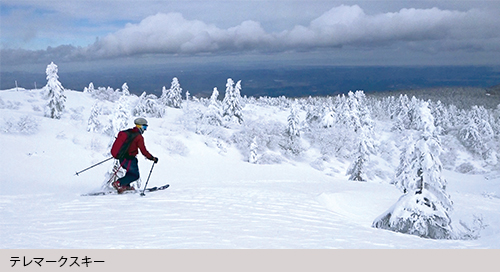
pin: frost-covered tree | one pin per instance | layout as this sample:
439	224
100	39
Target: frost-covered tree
213	115
163	96
362	124
90	89
423	209
441	117
342	109
293	129
173	96
357	170
365	119
405	113
231	105
94	125
292	143
329	119
253	158
477	134
313	116
125	90
353	114
495	118
148	106
119	118
54	91
108	93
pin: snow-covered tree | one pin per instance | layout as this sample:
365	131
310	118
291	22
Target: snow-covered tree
125	90
329	119
93	124
441	117
313	116
54	91
477	133
119	118
90	89
293	129
423	209
231	105
213	115
405	113
253	158
163	96
353	114
148	106
292	143
362	124
173	96
357	170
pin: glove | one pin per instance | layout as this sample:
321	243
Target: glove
155	159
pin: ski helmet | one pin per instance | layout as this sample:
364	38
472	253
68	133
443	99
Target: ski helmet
141	121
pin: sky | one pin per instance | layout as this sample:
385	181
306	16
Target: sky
377	32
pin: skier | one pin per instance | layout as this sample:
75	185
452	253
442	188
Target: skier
130	162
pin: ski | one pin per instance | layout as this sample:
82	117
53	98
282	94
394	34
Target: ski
113	192
153	189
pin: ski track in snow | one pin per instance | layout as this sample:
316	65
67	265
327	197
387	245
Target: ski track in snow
242	216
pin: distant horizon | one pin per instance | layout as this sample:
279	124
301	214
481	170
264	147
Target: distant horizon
292	81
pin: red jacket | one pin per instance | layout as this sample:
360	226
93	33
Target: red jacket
138	143
135	145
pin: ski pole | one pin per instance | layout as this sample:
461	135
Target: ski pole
77	173
145	186
114	174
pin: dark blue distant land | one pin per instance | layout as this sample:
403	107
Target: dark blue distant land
290	82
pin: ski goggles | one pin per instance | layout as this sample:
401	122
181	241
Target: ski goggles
142	126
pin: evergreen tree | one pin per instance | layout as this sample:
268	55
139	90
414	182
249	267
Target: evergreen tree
54	91
344	111
313	116
188	95
253	151
292	143
404	174
441	117
293	129
119	118
89	89
163	97
148	106
93	124
353	114
231	105
173	96
213	115
329	119
362	125
477	134
125	90
357	170
401	116
423	209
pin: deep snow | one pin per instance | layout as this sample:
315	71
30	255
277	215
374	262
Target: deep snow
216	199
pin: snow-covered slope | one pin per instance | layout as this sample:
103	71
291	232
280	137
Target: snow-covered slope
217	199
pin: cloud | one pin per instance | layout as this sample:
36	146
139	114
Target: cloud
416	29
173	34
343	25
349	25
